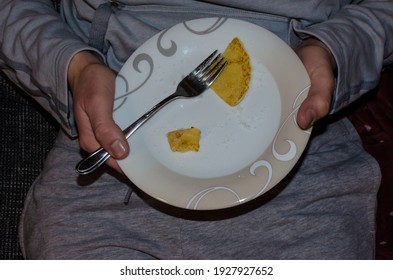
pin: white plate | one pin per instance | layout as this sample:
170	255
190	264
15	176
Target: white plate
244	150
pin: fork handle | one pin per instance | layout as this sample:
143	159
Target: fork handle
98	157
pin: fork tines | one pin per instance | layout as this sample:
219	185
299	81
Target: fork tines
210	68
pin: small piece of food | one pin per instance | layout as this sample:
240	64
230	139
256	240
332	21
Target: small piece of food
233	82
184	140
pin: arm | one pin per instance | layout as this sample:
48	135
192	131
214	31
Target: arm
359	45
43	56
36	47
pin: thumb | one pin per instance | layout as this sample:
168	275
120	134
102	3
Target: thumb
317	103
320	66
100	109
108	134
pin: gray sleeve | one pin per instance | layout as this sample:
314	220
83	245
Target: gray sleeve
36	47
360	38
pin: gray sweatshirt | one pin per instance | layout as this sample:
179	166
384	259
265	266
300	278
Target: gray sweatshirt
37	43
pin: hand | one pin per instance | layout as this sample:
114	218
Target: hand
320	66
92	85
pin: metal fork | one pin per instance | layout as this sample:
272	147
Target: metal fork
192	85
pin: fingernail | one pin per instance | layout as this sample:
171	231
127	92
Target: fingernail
310	117
117	149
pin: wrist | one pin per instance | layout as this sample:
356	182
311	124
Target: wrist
318	43
79	62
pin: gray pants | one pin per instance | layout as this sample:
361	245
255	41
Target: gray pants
324	209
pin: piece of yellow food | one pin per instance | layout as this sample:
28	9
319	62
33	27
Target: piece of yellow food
233	82
184	140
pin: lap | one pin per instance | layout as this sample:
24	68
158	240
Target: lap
324	209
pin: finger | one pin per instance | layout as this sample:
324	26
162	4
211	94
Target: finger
317	103
314	107
318	64
106	131
113	164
